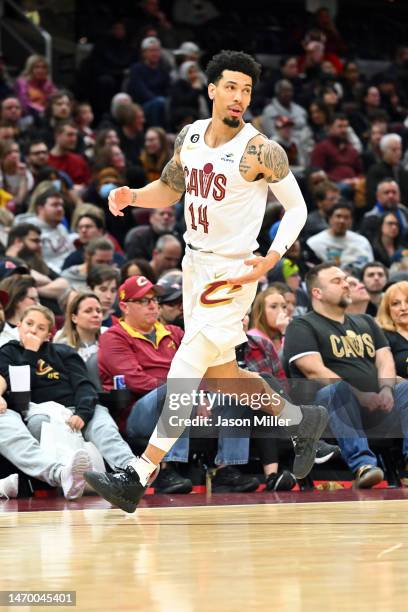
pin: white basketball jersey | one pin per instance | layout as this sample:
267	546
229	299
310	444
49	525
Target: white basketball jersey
223	211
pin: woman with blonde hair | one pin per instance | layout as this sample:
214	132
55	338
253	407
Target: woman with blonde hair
392	317
34	86
269	316
83	325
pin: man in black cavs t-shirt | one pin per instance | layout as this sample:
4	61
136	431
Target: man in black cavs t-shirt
350	358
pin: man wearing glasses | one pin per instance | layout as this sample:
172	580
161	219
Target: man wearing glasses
37	156
141	349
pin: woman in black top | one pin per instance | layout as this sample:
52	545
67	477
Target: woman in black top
386	244
393	318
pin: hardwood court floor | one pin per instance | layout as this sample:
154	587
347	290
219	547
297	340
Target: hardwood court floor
287	557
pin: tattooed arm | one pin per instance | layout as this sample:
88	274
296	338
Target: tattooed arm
161	193
273	161
266	158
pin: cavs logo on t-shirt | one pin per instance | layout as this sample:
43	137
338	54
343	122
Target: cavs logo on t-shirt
43	369
352	345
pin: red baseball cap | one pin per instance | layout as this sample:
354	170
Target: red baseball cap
136	287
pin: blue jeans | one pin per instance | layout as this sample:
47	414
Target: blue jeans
346	421
143	419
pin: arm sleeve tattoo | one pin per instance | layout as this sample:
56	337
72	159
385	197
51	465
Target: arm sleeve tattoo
173	174
276	161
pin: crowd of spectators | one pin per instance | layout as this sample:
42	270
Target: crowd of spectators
333	313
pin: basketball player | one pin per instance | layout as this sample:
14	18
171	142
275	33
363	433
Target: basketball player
225	166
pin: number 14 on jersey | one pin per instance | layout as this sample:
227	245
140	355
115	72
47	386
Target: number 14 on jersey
202	218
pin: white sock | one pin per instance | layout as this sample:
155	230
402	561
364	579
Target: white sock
292	413
144	467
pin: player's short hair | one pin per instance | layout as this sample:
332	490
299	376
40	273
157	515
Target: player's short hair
237	61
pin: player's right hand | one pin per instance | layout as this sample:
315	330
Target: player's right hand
118	199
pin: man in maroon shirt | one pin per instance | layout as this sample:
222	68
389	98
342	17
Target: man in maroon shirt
336	156
62	157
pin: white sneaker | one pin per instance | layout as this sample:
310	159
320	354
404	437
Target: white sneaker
72	474
9	486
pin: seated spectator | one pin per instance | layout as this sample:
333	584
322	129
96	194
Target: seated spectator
149	82
339	244
362	118
90	226
326	195
48	215
13	124
393	319
352	82
37	157
375	277
57	371
137	267
334	42
140	241
359	297
155	153
390	166
131	121
336	156
290	144
98	251
62	183
282	105
166	255
83	325
83	117
316	128
269	318
188	97
372	152
171	299
103	281
111	159
62	156
315	53
387	241
24	243
22	293
264	91
141	349
350	356
15	178
387	200
60	106
34	86
106	137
